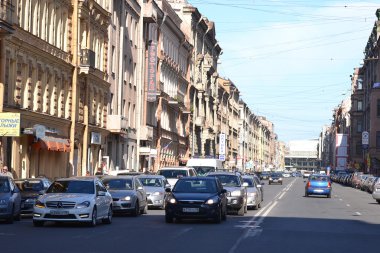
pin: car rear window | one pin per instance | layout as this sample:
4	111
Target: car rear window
173	173
30	185
4	185
118	184
319	178
154	182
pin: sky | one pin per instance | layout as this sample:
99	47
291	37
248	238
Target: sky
291	59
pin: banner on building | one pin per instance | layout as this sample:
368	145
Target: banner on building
10	124
222	144
152	72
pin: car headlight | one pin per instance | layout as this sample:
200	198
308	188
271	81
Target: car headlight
39	204
236	193
84	204
157	193
212	201
128	198
172	201
30	200
270	178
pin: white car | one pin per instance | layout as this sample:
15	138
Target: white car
75	199
173	173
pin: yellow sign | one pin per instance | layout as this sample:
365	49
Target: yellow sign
10	124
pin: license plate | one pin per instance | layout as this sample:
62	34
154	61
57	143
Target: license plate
190	210
318	190
54	212
275	180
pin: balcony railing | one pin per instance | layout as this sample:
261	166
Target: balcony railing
6	17
146	133
117	123
87	58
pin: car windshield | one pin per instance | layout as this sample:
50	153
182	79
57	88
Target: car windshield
29	185
318	178
4	185
72	186
172	173
118	183
249	181
228	180
195	186
203	170
153	182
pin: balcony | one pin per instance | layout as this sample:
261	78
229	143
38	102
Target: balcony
87	60
6	17
117	124
200	120
146	133
150	13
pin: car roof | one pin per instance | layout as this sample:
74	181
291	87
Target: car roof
78	178
120	176
150	176
176	168
223	173
197	178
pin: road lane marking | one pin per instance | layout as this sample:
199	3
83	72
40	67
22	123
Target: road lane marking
282	195
183	231
357	214
348	205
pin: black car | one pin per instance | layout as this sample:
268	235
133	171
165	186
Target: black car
30	189
196	198
275	178
264	175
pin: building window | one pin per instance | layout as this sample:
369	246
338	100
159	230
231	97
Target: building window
377	139
359	84
358	148
360	105
359	126
378	108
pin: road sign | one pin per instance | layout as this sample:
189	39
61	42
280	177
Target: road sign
365	139
222	157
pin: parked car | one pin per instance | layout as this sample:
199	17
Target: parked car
128	194
318	184
275	178
236	191
155	186
74	199
254	197
306	174
376	190
31	189
196	198
259	184
173	173
10	200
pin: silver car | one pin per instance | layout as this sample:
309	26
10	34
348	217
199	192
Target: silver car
253	193
10	200
128	194
155	186
376	190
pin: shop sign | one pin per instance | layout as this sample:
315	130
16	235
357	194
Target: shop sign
152	72
10	124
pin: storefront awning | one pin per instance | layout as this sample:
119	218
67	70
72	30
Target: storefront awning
53	144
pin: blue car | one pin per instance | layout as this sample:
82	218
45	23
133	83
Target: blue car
318	185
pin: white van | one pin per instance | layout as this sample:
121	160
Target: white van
205	165
173	173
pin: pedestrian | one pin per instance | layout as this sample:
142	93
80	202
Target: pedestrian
99	172
6	172
88	173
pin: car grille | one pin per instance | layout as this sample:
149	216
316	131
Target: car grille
196	202
62	217
60	204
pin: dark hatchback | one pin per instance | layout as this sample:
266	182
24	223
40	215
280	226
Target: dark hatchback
196	198
31	189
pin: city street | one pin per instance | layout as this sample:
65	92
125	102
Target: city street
287	222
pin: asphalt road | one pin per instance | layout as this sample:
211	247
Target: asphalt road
287	222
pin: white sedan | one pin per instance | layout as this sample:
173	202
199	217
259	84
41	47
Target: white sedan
81	199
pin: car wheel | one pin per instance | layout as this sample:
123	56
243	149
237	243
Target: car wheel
218	216
168	219
245	209
378	201
240	212
145	211
17	217
259	205
306	194
136	211
38	223
329	195
108	220
10	219
224	215
94	217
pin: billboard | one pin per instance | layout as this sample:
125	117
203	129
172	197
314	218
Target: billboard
10	124
152	72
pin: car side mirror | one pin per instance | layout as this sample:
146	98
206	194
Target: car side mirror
168	186
101	193
168	190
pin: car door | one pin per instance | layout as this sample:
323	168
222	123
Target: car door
101	206
140	191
